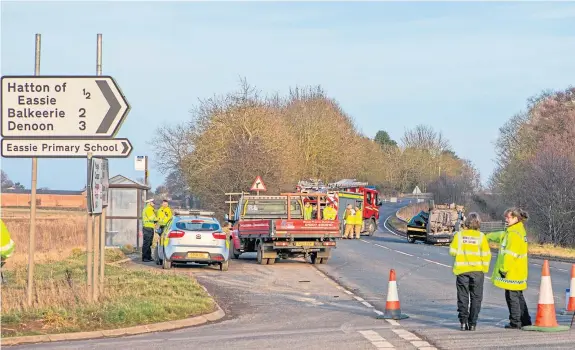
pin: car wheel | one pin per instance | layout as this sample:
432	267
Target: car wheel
166	264
157	256
225	266
410	240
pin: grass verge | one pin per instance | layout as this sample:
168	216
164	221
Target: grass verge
132	297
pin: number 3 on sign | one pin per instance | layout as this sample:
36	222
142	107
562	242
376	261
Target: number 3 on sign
82	123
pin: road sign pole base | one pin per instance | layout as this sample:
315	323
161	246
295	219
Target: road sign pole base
545	329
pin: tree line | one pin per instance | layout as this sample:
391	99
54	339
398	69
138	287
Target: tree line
232	138
536	165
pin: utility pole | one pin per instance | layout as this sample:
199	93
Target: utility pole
89	233
32	238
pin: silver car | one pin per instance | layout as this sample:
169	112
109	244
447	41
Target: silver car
193	236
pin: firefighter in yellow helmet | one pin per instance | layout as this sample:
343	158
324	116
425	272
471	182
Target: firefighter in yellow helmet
329	212
358	221
307	211
472	256
7	245
511	269
349	222
149	221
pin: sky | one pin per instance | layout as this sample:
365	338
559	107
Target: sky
462	68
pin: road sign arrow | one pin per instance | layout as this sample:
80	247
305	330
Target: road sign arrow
60	148
61	107
114	110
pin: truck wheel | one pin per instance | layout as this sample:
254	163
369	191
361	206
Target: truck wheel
371	227
260	254
235	253
271	261
225	266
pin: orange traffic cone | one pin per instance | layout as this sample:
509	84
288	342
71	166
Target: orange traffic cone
546	320
392	307
571	302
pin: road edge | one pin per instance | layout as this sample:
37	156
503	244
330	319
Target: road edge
120	332
494	250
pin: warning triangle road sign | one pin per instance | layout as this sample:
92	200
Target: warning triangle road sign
416	190
258	185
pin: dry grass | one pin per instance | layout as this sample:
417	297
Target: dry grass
131	297
409	211
57	233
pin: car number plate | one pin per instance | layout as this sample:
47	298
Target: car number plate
442	240
198	255
305	244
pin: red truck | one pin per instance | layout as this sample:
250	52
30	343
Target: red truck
275	230
337	191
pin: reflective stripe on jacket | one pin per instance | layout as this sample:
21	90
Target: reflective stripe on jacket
471	251
164	215
7	245
358	217
348	217
512	258
307	212
329	213
149	216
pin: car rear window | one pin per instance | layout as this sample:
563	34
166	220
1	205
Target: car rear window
197	226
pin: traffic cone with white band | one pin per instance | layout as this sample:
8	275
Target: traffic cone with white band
392	306
571	300
546	319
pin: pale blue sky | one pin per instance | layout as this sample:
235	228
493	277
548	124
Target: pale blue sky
463	68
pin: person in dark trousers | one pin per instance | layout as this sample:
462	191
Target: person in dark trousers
149	221
472	256
511	268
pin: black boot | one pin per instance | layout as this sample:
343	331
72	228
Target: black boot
512	326
464	326
472	328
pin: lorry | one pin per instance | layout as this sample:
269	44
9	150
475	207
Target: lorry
437	225
347	191
274	228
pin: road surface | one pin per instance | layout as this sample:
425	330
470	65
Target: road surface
294	305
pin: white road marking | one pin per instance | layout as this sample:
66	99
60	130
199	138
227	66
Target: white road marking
359	298
378	312
420	343
407	335
393	322
400	252
348	292
366	304
376	340
438	263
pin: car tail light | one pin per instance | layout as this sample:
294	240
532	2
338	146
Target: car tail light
176	234
219	235
329	243
197	221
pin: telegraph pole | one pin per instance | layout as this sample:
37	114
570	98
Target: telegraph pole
32	238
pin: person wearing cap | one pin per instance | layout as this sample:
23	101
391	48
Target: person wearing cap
164	215
149	221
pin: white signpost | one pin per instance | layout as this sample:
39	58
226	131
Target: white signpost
62	107
140	163
61	148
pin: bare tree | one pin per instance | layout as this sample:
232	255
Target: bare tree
6	182
425	138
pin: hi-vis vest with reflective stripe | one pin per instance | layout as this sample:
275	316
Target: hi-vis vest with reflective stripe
471	251
149	216
7	245
358	217
307	212
512	258
164	215
329	213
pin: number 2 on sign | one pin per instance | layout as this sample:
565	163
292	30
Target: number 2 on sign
86	93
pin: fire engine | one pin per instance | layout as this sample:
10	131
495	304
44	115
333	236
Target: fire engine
347	191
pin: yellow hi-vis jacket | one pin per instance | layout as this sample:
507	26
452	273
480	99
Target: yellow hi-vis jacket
164	215
358	217
471	251
149	216
307	211
7	245
348	217
512	258
329	213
